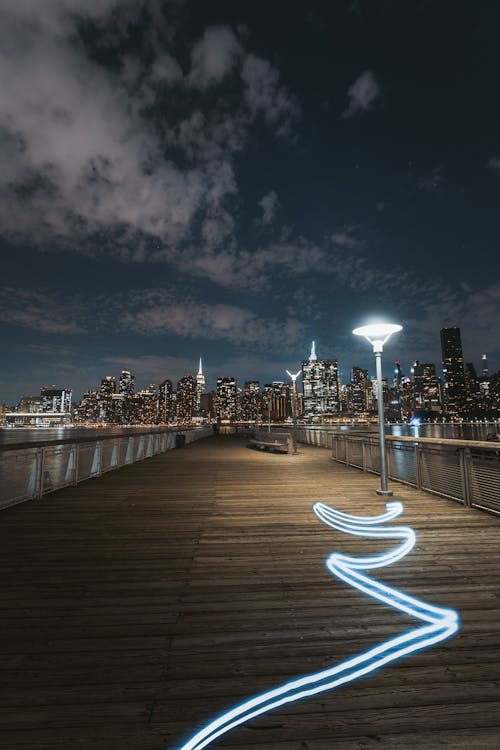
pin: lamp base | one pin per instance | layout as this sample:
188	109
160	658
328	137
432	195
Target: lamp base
385	493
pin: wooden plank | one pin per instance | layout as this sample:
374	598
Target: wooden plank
145	602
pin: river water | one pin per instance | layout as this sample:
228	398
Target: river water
20	435
466	431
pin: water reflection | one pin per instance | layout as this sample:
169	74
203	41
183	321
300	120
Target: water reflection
455	431
15	435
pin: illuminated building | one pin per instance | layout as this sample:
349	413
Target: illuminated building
453	370
90	407
200	387
187	400
56	400
30	404
225	400
166	404
280	395
207	401
426	387
250	401
484	363
145	406
108	384
320	386
126	383
358	392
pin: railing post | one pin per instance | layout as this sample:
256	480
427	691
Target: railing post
39	492
77	464
34	485
418	466
96	469
70	466
363	453
465	470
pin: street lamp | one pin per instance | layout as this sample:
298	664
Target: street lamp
378	334
294	407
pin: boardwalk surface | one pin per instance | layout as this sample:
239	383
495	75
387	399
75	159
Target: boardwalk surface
139	605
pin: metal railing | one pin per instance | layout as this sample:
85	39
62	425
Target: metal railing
28	472
314	436
464	470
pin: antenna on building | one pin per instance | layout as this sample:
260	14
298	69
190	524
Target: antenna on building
312	356
484	362
200	371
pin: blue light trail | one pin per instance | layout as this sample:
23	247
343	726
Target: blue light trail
439	623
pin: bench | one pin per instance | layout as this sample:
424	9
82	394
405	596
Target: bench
271	441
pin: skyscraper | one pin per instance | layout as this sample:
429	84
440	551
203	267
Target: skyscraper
225	408
249	401
484	364
277	400
200	386
426	387
166	404
320	385
455	394
360	386
126	383
187	400
56	400
108	384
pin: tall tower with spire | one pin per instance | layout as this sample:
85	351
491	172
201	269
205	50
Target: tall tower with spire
200	385
320	386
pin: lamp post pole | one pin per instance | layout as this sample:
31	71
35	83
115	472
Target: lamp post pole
377	334
381	424
294	407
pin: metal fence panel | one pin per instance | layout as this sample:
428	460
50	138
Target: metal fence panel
20	476
372	456
356	457
59	468
27	473
339	449
467	473
441	472
109	455
402	462
485	481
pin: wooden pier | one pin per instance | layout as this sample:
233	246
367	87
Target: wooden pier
140	605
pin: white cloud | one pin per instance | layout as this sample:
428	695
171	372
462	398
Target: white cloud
77	158
214	322
363	92
494	163
269	204
166	69
41	311
345	239
213	57
264	96
79	155
237	268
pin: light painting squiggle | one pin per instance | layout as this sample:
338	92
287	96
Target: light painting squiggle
439	623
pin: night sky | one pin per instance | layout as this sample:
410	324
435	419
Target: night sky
231	180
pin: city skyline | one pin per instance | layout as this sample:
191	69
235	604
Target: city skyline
453	368
232	181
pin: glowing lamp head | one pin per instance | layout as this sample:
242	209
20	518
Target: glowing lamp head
377	333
